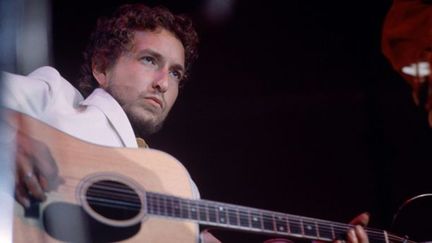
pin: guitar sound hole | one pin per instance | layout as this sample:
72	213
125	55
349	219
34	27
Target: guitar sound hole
113	200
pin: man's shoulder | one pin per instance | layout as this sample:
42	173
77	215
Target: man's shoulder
49	75
37	91
45	73
45	76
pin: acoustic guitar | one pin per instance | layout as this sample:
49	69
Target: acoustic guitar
142	195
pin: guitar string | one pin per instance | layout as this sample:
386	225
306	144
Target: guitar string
173	209
371	232
157	200
203	206
381	237
167	210
199	219
168	207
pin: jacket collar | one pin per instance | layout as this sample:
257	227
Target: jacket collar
102	100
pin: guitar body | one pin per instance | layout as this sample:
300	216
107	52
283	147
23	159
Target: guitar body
69	215
413	218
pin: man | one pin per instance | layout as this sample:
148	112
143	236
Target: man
134	65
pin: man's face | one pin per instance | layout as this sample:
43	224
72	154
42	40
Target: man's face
145	79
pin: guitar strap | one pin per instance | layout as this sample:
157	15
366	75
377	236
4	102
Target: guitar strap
142	143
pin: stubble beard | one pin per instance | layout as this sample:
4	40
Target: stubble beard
144	119
144	124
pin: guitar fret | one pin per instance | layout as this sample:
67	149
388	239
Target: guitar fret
268	221
281	224
222	214
185	209
295	226
309	228
202	212
340	233
150	206
212	216
333	232
382	238
256	220
176	207
325	231
233	216
162	206
155	205
159	208
193	211
169	208
244	218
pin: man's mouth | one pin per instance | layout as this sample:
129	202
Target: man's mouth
156	101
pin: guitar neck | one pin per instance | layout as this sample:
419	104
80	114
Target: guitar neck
242	218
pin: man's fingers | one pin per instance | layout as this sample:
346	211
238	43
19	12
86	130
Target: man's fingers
34	188
357	234
34	158
361	234
45	166
38	154
27	178
361	219
44	184
46	163
351	235
21	195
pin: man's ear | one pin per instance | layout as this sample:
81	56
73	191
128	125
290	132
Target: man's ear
100	76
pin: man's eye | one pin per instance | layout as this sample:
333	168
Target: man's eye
177	75
148	60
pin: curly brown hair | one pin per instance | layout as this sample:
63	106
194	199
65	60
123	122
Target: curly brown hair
114	35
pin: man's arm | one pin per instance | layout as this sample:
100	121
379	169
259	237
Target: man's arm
36	172
35	169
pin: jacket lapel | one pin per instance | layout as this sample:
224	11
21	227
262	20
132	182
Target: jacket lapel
115	114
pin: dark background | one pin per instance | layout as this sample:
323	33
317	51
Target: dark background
291	107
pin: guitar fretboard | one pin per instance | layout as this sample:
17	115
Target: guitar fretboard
250	219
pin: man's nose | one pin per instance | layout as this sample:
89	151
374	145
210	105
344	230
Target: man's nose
160	82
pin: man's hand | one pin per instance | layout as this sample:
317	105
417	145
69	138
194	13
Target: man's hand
358	234
36	170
